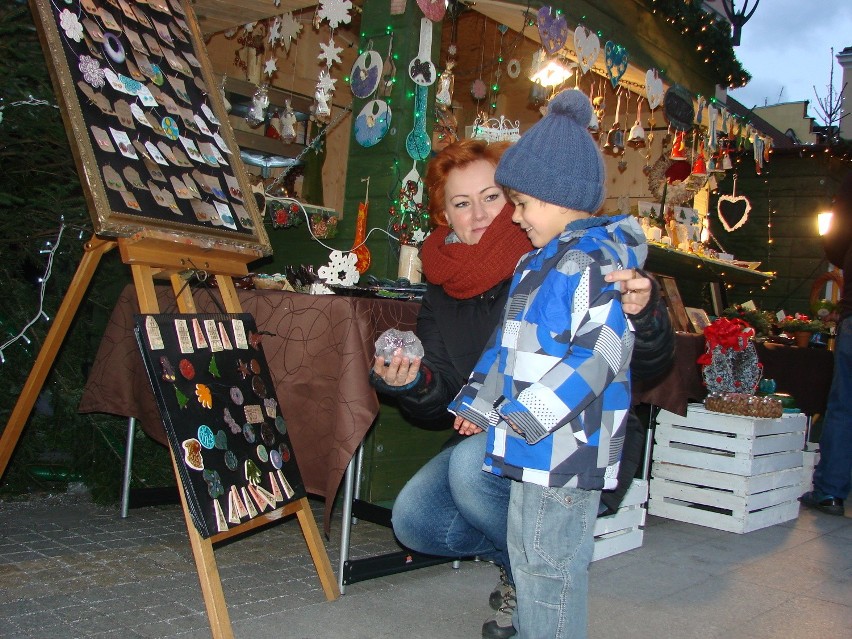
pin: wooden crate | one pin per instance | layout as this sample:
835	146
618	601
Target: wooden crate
728	472
729	443
622	531
811	458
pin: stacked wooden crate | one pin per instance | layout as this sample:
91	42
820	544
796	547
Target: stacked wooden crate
728	472
622	531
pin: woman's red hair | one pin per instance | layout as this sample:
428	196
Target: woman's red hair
455	156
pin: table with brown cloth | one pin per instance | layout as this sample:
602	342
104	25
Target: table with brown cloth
804	373
319	350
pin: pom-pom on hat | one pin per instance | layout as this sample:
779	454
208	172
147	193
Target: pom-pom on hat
557	160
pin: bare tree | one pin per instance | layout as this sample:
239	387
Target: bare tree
829	107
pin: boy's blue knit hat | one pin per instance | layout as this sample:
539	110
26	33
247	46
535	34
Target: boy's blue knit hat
557	160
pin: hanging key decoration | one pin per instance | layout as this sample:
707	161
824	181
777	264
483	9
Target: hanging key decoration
417	142
420	69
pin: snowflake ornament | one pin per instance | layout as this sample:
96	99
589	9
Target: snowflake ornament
71	25
335	11
330	52
274	32
249	26
325	82
270	66
340	269
290	29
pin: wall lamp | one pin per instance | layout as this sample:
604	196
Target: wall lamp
824	222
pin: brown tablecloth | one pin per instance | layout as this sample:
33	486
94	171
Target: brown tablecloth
319	353
804	373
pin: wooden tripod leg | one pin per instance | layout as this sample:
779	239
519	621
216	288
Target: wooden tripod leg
94	250
317	550
208	572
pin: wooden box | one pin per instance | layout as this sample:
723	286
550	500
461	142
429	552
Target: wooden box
728	472
622	531
729	443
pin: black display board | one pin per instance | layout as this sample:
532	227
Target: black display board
223	420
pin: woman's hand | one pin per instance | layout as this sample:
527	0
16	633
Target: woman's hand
466	427
399	371
635	289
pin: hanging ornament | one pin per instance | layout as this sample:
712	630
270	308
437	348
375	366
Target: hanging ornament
359	244
653	89
372	123
259	103
734	208
366	73
388	72
335	11
636	139
616	62
758	154
288	123
478	90
420	69
417	142
513	68
552	30
446	81
699	166
433	9
588	48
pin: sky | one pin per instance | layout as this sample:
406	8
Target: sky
786	47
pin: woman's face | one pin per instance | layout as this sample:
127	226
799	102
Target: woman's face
472	199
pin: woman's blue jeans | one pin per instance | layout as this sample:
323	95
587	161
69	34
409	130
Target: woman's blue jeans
453	508
831	476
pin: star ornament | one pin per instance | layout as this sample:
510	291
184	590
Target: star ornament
325	82
290	29
274	32
330	52
270	66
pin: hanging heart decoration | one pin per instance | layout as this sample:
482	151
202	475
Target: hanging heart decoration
653	88
552	29
588	48
433	9
616	62
733	208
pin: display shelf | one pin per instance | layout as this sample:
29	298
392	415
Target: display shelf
690	266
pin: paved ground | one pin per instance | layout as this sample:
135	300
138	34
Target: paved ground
71	569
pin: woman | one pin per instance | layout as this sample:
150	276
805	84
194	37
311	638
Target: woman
450	507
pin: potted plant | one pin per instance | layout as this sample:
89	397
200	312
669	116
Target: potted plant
759	320
800	327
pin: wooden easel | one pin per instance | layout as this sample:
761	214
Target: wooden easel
153	258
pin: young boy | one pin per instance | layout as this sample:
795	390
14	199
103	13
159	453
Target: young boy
552	388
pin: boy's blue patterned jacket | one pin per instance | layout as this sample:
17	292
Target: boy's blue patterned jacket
557	367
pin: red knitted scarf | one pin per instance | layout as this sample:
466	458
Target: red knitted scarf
467	270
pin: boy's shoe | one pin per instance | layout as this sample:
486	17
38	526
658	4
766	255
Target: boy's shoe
495	599
825	503
500	625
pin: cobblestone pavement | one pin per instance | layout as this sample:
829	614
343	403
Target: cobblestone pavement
71	569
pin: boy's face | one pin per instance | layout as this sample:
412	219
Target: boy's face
541	221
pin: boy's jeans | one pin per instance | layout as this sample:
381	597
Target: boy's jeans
551	541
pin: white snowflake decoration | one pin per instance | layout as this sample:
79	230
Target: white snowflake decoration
325	82
330	52
340	269
418	236
270	66
249	26
274	31
335	11
71	25
290	29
